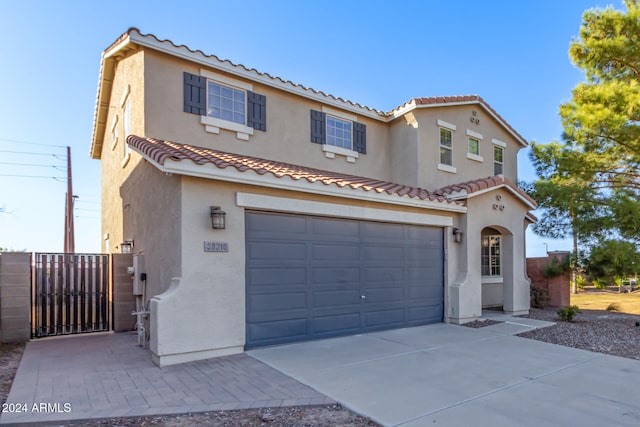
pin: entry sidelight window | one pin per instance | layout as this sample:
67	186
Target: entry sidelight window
490	253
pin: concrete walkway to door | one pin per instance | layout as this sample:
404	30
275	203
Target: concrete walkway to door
449	375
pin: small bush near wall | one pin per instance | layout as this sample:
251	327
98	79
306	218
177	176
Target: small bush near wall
540	297
566	314
556	268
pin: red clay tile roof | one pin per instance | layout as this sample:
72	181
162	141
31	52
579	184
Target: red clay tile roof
159	151
476	185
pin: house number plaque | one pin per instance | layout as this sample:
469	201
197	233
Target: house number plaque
216	247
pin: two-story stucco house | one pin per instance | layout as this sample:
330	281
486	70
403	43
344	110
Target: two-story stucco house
340	219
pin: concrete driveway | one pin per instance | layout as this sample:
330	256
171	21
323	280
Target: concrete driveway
450	375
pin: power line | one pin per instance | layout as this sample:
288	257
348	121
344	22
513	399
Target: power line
31	143
57	156
57	178
29	164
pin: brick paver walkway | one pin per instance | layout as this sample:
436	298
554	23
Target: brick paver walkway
108	375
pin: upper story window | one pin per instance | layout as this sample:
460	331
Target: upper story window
445	134
474	146
446	147
224	103
498	162
338	133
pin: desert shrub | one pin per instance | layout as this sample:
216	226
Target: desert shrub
614	306
566	314
540	297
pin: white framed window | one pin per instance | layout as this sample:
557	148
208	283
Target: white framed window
474	146
498	160
490	255
339	132
446	147
226	103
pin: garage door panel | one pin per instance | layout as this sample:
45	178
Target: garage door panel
267	251
335	252
385	254
376	231
384	295
258	303
424	313
424	235
335	275
336	298
421	292
303	286
382	274
334	229
337	324
264	276
384	318
267	225
277	331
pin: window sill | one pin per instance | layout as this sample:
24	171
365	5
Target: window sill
330	152
447	168
490	279
475	157
213	125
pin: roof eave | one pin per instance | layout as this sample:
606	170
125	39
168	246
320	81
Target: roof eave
103	98
230	174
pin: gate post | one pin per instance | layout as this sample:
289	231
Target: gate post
15	297
124	302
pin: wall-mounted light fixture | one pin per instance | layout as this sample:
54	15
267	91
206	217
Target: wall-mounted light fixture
126	247
218	221
457	235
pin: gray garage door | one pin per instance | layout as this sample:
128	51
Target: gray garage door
314	277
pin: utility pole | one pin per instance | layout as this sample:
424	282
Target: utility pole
69	238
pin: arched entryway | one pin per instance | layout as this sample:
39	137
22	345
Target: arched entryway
496	263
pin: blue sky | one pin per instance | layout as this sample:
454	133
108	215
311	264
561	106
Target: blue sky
376	53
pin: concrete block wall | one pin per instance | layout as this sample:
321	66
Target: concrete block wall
558	287
123	300
15	297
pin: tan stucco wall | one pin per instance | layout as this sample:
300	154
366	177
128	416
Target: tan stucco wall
287	138
128	77
138	201
466	289
206	307
424	122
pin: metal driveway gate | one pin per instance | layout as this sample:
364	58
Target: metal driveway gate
70	294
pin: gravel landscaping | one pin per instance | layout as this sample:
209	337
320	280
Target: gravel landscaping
617	334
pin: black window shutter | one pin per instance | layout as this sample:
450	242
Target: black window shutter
360	137
318	127
195	94
256	111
